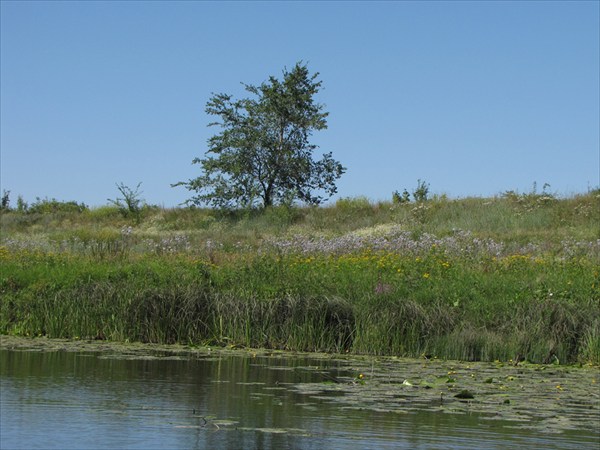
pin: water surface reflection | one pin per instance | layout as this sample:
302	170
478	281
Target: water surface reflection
90	400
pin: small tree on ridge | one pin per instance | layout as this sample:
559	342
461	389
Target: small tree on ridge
262	154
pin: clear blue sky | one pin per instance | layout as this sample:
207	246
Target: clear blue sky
476	97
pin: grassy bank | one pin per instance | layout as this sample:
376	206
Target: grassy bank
513	277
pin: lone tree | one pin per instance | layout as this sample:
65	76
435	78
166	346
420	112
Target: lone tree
262	154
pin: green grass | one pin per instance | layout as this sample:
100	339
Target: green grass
381	279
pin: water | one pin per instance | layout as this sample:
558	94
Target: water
66	400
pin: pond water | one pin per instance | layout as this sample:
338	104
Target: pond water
83	399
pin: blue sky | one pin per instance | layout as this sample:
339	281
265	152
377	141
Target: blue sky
476	98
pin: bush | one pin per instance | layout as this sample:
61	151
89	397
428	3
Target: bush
420	194
349	204
45	206
131	204
400	198
531	200
5	205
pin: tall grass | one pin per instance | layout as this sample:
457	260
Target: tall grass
541	310
383	279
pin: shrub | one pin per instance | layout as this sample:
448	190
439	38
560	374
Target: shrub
400	198
131	204
420	194
45	206
5	205
531	200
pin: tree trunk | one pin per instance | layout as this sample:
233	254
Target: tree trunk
268	196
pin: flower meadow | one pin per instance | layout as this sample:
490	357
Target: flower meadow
369	280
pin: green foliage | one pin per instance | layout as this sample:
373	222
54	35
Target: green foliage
131	204
499	218
106	213
590	348
354	276
281	216
5	204
531	200
541	309
21	204
45	206
400	198
263	154
354	205
421	192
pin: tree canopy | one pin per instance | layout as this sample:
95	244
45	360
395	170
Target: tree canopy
262	154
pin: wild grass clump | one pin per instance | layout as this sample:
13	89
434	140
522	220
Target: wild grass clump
471	279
